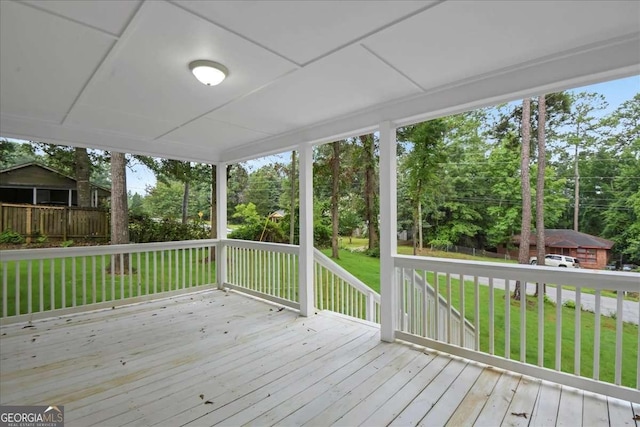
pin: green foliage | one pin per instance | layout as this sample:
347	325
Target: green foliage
144	229
569	304
11	237
247	215
268	231
67	243
42	239
321	235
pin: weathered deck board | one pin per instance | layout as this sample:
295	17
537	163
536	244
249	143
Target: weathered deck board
160	362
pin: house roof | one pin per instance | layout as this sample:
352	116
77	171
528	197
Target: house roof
558	238
114	75
24	166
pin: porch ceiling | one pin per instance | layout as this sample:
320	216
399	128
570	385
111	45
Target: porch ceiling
113	75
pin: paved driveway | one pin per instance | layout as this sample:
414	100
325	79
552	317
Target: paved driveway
608	305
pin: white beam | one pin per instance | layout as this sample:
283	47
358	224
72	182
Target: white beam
221	223
388	231
305	270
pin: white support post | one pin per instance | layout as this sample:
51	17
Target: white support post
70	197
305	270
388	232
35	196
221	223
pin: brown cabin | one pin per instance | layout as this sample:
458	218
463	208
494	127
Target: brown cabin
37	184
592	251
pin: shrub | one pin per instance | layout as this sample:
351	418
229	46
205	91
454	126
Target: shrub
66	243
569	304
144	229
12	237
266	232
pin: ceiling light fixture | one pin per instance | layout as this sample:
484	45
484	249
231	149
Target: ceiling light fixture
208	72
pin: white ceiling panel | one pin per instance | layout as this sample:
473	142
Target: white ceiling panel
462	39
108	15
339	84
46	60
304	30
149	75
212	134
92	117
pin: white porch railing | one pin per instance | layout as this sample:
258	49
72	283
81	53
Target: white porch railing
535	337
419	308
267	270
338	290
39	283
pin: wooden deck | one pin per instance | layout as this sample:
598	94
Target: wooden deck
215	358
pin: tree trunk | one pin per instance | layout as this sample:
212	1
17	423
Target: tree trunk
83	171
542	160
119	209
525	227
335	193
292	212
371	214
185	202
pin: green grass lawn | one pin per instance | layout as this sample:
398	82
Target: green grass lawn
148	275
367	269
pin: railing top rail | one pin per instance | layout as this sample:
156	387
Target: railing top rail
326	262
596	279
263	246
48	253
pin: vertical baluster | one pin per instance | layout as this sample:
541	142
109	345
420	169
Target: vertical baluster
162	278
121	274
333	292
578	332
492	337
436	301
73	282
523	321
596	338
476	313
103	270
147	269
449	304
425	298
177	267
17	284
113	278
29	285
412	303
155	272
5	302
507	318
619	316
402	300
41	284
558	327
540	288
191	268
462	318
130	274
290	274
184	266
52	283
93	279
84	280
638	357
63	282
138	283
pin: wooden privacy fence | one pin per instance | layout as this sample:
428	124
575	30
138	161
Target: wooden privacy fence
56	222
